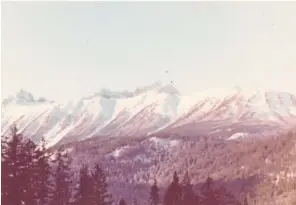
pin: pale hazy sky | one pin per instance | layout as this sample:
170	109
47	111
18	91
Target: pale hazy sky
68	50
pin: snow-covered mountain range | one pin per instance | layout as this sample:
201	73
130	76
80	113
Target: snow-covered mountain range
157	109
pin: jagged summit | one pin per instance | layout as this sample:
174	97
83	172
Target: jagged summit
24	97
156	86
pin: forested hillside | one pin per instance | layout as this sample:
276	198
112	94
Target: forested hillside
151	170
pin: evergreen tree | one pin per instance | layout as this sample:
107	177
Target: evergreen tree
188	196
61	191
135	202
84	190
4	173
173	196
246	201
209	196
225	197
100	187
43	173
214	195
154	194
197	200
28	173
10	189
122	202
17	172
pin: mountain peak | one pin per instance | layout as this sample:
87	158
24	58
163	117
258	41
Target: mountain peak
23	97
156	86
155	108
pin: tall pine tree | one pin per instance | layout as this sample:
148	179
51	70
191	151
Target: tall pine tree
100	187
5	178
10	191
209	195
28	173
188	196
122	202
173	196
62	179
43	173
154	194
246	201
17	175
225	197
135	201
84	190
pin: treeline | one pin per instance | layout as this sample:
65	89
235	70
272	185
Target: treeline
183	193
33	176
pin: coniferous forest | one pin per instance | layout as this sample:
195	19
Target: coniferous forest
31	175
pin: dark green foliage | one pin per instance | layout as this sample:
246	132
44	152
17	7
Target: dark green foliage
225	197
42	174
135	202
173	195
27	177
212	194
188	195
28	173
246	201
17	171
100	187
208	193
122	202
185	195
62	180
84	190
92	187
154	194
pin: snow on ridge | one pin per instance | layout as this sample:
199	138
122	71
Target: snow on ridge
165	143
119	151
238	135
152	109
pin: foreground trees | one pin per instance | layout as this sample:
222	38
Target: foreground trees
62	180
188	195
25	171
154	194
100	187
92	187
174	192
31	176
27	174
208	194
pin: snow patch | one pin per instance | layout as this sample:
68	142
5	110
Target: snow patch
165	143
238	135
119	151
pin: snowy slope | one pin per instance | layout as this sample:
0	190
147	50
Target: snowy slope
151	109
